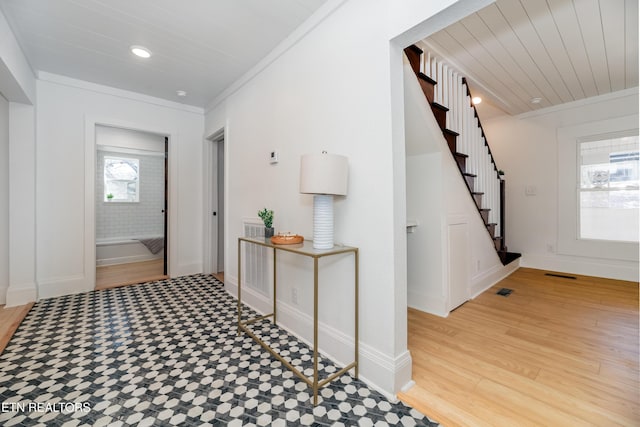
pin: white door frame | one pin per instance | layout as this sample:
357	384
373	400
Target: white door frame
89	274
210	262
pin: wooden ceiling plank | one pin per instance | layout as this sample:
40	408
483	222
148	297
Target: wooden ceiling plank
614	32
535	47
547	30
631	43
493	71
510	48
474	70
588	13
515	76
564	15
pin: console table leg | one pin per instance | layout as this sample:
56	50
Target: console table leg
356	260
239	286
315	331
274	286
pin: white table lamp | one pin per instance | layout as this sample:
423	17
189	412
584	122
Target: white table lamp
323	175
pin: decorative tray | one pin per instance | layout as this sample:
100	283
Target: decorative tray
287	239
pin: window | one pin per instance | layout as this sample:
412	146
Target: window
608	188
121	179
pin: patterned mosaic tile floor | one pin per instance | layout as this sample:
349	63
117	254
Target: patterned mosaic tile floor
167	353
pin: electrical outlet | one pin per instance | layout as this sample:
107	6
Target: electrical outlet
294	295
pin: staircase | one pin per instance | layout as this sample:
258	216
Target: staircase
450	99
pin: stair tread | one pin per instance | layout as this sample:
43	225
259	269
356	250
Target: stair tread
508	257
415	48
477	193
426	78
450	132
460	155
484	209
469	174
439	106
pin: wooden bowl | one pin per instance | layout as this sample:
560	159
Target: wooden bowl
287	239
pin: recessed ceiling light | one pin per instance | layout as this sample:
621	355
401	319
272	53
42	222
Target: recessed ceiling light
476	100
535	100
181	93
140	51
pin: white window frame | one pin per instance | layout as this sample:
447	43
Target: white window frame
136	198
580	189
569	139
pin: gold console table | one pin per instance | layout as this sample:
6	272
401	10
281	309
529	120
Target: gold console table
306	249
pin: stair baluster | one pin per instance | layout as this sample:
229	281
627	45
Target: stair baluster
450	99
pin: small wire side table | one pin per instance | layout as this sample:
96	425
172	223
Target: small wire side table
305	249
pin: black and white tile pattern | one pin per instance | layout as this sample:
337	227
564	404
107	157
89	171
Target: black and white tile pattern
167	353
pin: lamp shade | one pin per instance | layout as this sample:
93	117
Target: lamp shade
323	174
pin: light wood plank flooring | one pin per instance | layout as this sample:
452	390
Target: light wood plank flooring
111	276
10	319
556	352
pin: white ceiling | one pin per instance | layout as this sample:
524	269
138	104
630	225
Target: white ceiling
199	46
510	51
557	50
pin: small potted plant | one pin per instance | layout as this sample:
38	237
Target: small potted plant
109	197
267	217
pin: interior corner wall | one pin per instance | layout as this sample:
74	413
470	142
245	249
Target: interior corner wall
4	198
526	148
64	245
329	91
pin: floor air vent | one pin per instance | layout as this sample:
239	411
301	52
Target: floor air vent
563	276
504	292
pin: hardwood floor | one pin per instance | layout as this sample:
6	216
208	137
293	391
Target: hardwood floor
10	319
111	276
556	352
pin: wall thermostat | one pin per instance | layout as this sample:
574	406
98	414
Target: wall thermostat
273	157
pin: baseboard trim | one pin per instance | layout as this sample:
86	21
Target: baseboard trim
596	267
485	280
433	304
60	286
21	294
126	259
186	269
381	372
3	294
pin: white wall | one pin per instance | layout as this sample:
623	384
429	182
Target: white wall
68	111
4	198
128	139
143	218
17	82
334	89
22	202
18	86
526	147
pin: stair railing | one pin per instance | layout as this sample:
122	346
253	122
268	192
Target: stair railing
453	92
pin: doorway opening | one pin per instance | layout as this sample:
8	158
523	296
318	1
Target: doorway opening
131	206
214	186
